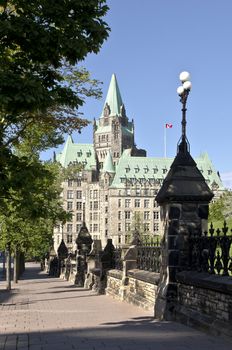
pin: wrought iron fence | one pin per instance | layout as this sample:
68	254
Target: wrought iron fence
212	251
149	255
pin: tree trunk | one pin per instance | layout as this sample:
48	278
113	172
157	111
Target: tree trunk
16	265
8	267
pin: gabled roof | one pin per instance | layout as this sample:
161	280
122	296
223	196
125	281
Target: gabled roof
113	98
108	166
79	153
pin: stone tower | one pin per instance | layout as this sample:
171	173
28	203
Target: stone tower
113	131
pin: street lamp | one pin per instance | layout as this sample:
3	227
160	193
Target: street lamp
183	92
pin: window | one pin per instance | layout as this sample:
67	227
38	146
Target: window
155	204
106	221
95	227
128	192
91	205
95	205
119	215
164	171
69	238
79	194
95	193
146	203
137	191
79	216
209	172
79	205
91	216
69	227
156	215
69	205
155	170
90	228
146	192
106	210
119	203
127	226
69	194
78	227
119	227
90	194
146	227
78	182
119	239
156	227
106	198
106	232
127	214
146	215
70	183
95	216
137	203
146	170
127	203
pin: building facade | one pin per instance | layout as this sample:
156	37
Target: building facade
116	188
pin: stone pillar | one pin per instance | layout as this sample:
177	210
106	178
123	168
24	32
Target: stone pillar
84	243
184	198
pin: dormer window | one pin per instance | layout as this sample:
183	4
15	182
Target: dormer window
79	154
88	154
209	172
137	169
128	169
164	170
155	170
146	170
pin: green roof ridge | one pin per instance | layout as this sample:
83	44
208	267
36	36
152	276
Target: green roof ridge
113	98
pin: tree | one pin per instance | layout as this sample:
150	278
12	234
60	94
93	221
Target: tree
29	216
41	88
221	209
40	44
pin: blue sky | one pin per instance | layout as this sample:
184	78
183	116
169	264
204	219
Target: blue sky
150	43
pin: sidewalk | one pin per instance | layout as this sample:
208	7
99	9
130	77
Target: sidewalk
45	313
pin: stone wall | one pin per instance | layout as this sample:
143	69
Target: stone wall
202	304
138	288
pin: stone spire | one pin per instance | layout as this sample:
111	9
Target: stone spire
113	99
108	166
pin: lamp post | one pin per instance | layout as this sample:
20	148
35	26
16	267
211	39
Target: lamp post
183	92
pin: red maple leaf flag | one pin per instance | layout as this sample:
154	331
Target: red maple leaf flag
168	126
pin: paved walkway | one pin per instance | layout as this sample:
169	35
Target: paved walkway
45	313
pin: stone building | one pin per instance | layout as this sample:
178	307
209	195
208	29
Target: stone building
117	187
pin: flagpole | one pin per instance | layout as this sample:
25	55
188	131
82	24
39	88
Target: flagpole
165	142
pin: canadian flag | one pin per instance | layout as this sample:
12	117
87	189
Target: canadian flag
168	126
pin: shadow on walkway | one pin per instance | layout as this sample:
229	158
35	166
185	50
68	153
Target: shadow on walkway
135	334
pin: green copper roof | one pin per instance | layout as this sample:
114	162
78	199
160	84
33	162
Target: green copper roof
113	97
139	170
108	165
79	153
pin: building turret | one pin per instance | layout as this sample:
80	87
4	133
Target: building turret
113	131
